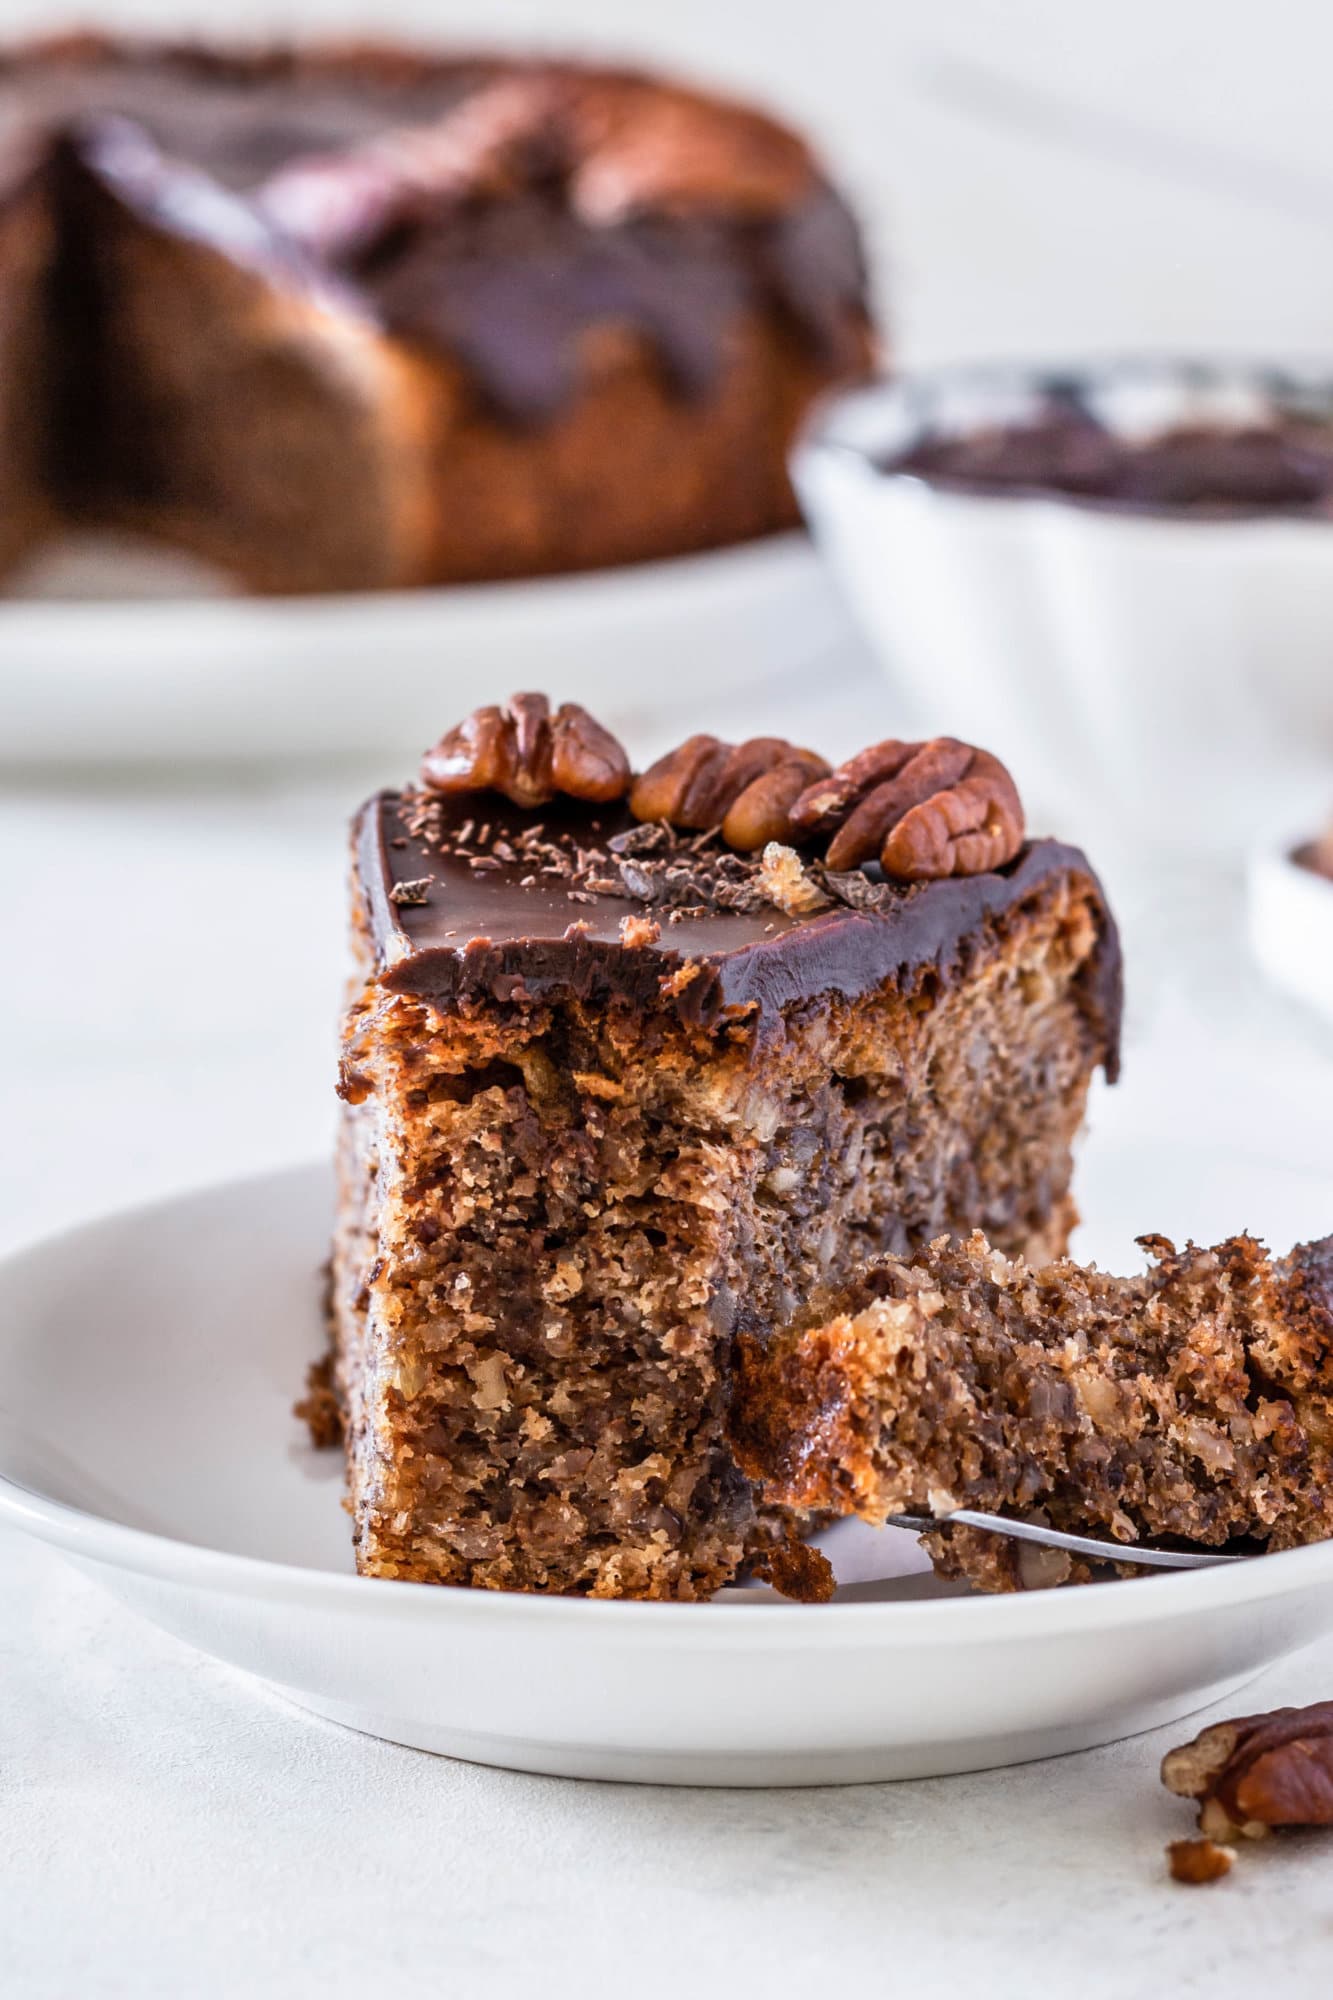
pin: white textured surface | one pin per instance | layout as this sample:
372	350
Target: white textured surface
168	1828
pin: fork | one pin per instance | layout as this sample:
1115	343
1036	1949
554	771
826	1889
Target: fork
1055	1538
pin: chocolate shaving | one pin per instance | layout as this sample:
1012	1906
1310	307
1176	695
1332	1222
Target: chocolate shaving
408	893
637	882
683	875
855	888
649	838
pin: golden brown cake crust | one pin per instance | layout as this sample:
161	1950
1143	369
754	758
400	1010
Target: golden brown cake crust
542	317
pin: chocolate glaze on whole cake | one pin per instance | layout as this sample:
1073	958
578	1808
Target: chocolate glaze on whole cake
363	316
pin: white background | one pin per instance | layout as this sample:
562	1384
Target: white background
1038	177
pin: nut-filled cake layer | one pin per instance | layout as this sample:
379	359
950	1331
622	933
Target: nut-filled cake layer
607	1106
1194	1402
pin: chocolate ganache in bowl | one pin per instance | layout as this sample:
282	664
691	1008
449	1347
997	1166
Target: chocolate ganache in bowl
1120	574
1269	450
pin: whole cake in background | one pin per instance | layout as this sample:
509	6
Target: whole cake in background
633	1067
349	317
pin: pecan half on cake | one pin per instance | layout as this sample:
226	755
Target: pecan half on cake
347	317
617	1088
1194	1402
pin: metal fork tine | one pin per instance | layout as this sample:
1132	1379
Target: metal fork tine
1053	1538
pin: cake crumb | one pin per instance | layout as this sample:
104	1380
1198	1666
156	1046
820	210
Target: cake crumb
318	1409
637	932
797	1572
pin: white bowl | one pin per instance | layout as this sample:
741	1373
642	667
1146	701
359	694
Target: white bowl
1169	676
170	676
147	1369
1290	910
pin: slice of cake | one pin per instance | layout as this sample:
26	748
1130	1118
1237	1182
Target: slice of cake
217	390
627	1072
1194	1402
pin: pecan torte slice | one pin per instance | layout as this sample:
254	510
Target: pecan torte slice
618	1089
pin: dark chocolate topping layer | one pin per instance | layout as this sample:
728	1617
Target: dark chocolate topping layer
504	270
448	927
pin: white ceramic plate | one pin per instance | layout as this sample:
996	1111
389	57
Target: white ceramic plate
163	675
1290	911
147	1369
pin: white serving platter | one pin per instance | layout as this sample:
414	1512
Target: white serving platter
148	1365
116	655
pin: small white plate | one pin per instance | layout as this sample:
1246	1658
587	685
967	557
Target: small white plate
114	679
1290	912
147	1369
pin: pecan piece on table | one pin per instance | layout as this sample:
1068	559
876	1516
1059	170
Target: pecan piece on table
923	810
746	789
1198	1861
1257	1772
529	755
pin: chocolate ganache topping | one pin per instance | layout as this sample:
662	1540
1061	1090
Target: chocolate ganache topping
500	211
1280	462
471	894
